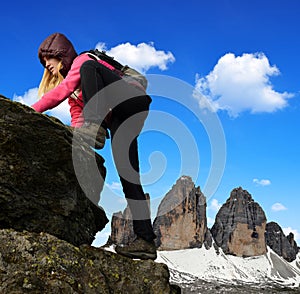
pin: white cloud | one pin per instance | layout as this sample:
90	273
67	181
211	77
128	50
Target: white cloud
278	207
28	98
141	57
101	46
62	111
241	83
295	232
262	182
214	205
115	186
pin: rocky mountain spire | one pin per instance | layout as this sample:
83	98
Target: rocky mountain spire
239	228
181	217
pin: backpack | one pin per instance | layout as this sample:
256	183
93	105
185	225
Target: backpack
123	70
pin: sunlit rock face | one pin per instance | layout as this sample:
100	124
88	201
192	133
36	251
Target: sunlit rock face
41	263
181	218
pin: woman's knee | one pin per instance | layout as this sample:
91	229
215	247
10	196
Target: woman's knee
88	66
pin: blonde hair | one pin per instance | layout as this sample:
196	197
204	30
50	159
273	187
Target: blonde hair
50	81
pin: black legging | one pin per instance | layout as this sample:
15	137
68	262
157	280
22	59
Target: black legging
103	90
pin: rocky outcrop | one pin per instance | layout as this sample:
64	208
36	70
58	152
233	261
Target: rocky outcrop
39	189
42	263
181	217
239	228
122	226
49	214
279	243
293	242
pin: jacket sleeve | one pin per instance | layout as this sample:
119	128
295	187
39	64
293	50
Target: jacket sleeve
64	89
76	109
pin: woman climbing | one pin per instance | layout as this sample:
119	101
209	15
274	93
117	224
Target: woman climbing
101	100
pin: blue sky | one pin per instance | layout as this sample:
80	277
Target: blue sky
241	56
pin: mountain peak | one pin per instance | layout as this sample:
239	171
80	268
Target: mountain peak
181	217
240	194
239	228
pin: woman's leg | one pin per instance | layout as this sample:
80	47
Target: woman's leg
130	108
124	134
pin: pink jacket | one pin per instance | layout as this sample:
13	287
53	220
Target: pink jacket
65	89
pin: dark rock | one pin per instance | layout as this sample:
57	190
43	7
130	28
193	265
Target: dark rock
279	243
292	241
39	188
208	241
41	263
240	226
181	218
1	96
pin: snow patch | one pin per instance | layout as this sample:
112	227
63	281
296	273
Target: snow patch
211	265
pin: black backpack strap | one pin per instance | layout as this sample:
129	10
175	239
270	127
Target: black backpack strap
103	56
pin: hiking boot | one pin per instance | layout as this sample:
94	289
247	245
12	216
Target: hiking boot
93	134
139	248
